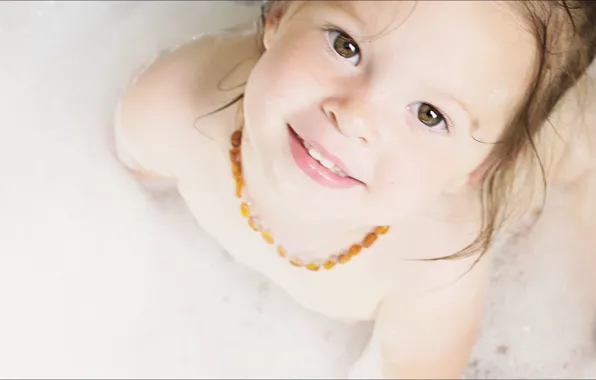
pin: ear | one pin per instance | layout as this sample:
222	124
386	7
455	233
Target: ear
477	176
272	20
472	180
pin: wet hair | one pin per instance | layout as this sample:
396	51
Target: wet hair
565	34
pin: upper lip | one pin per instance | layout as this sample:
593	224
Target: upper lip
336	160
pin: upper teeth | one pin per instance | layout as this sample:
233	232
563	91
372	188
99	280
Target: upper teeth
323	160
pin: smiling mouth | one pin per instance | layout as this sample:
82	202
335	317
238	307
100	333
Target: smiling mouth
326	162
323	169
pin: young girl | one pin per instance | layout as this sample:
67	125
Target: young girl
365	155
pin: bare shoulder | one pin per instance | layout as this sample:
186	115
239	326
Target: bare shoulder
159	111
430	334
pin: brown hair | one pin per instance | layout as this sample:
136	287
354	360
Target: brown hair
565	33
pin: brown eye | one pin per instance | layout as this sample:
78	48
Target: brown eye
345	46
429	115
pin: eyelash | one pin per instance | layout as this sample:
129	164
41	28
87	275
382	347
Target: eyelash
329	28
446	119
448	123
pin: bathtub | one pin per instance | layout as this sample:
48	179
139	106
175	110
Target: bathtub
102	277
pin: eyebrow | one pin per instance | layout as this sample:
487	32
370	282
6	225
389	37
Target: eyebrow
346	7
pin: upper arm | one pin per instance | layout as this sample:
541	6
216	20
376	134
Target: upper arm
431	335
158	108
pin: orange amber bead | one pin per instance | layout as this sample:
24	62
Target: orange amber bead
281	251
244	210
234	154
267	237
296	262
238	187
313	267
382	230
236	169
369	240
236	139
344	258
252	224
329	264
354	250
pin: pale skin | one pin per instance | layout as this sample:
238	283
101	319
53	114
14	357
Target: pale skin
426	314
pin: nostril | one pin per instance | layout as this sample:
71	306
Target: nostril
333	118
363	139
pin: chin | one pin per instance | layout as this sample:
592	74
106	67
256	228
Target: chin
304	198
281	173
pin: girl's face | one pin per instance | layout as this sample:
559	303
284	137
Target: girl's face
371	110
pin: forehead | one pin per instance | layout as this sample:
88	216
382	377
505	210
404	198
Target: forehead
479	51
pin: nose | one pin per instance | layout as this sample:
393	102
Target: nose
351	116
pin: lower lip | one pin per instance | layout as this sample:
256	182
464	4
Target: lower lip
313	169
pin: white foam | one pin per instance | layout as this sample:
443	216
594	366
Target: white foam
99	277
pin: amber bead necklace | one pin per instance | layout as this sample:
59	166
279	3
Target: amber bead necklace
341	258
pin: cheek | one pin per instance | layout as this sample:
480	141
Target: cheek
406	183
265	95
280	85
418	170
427	168
292	73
